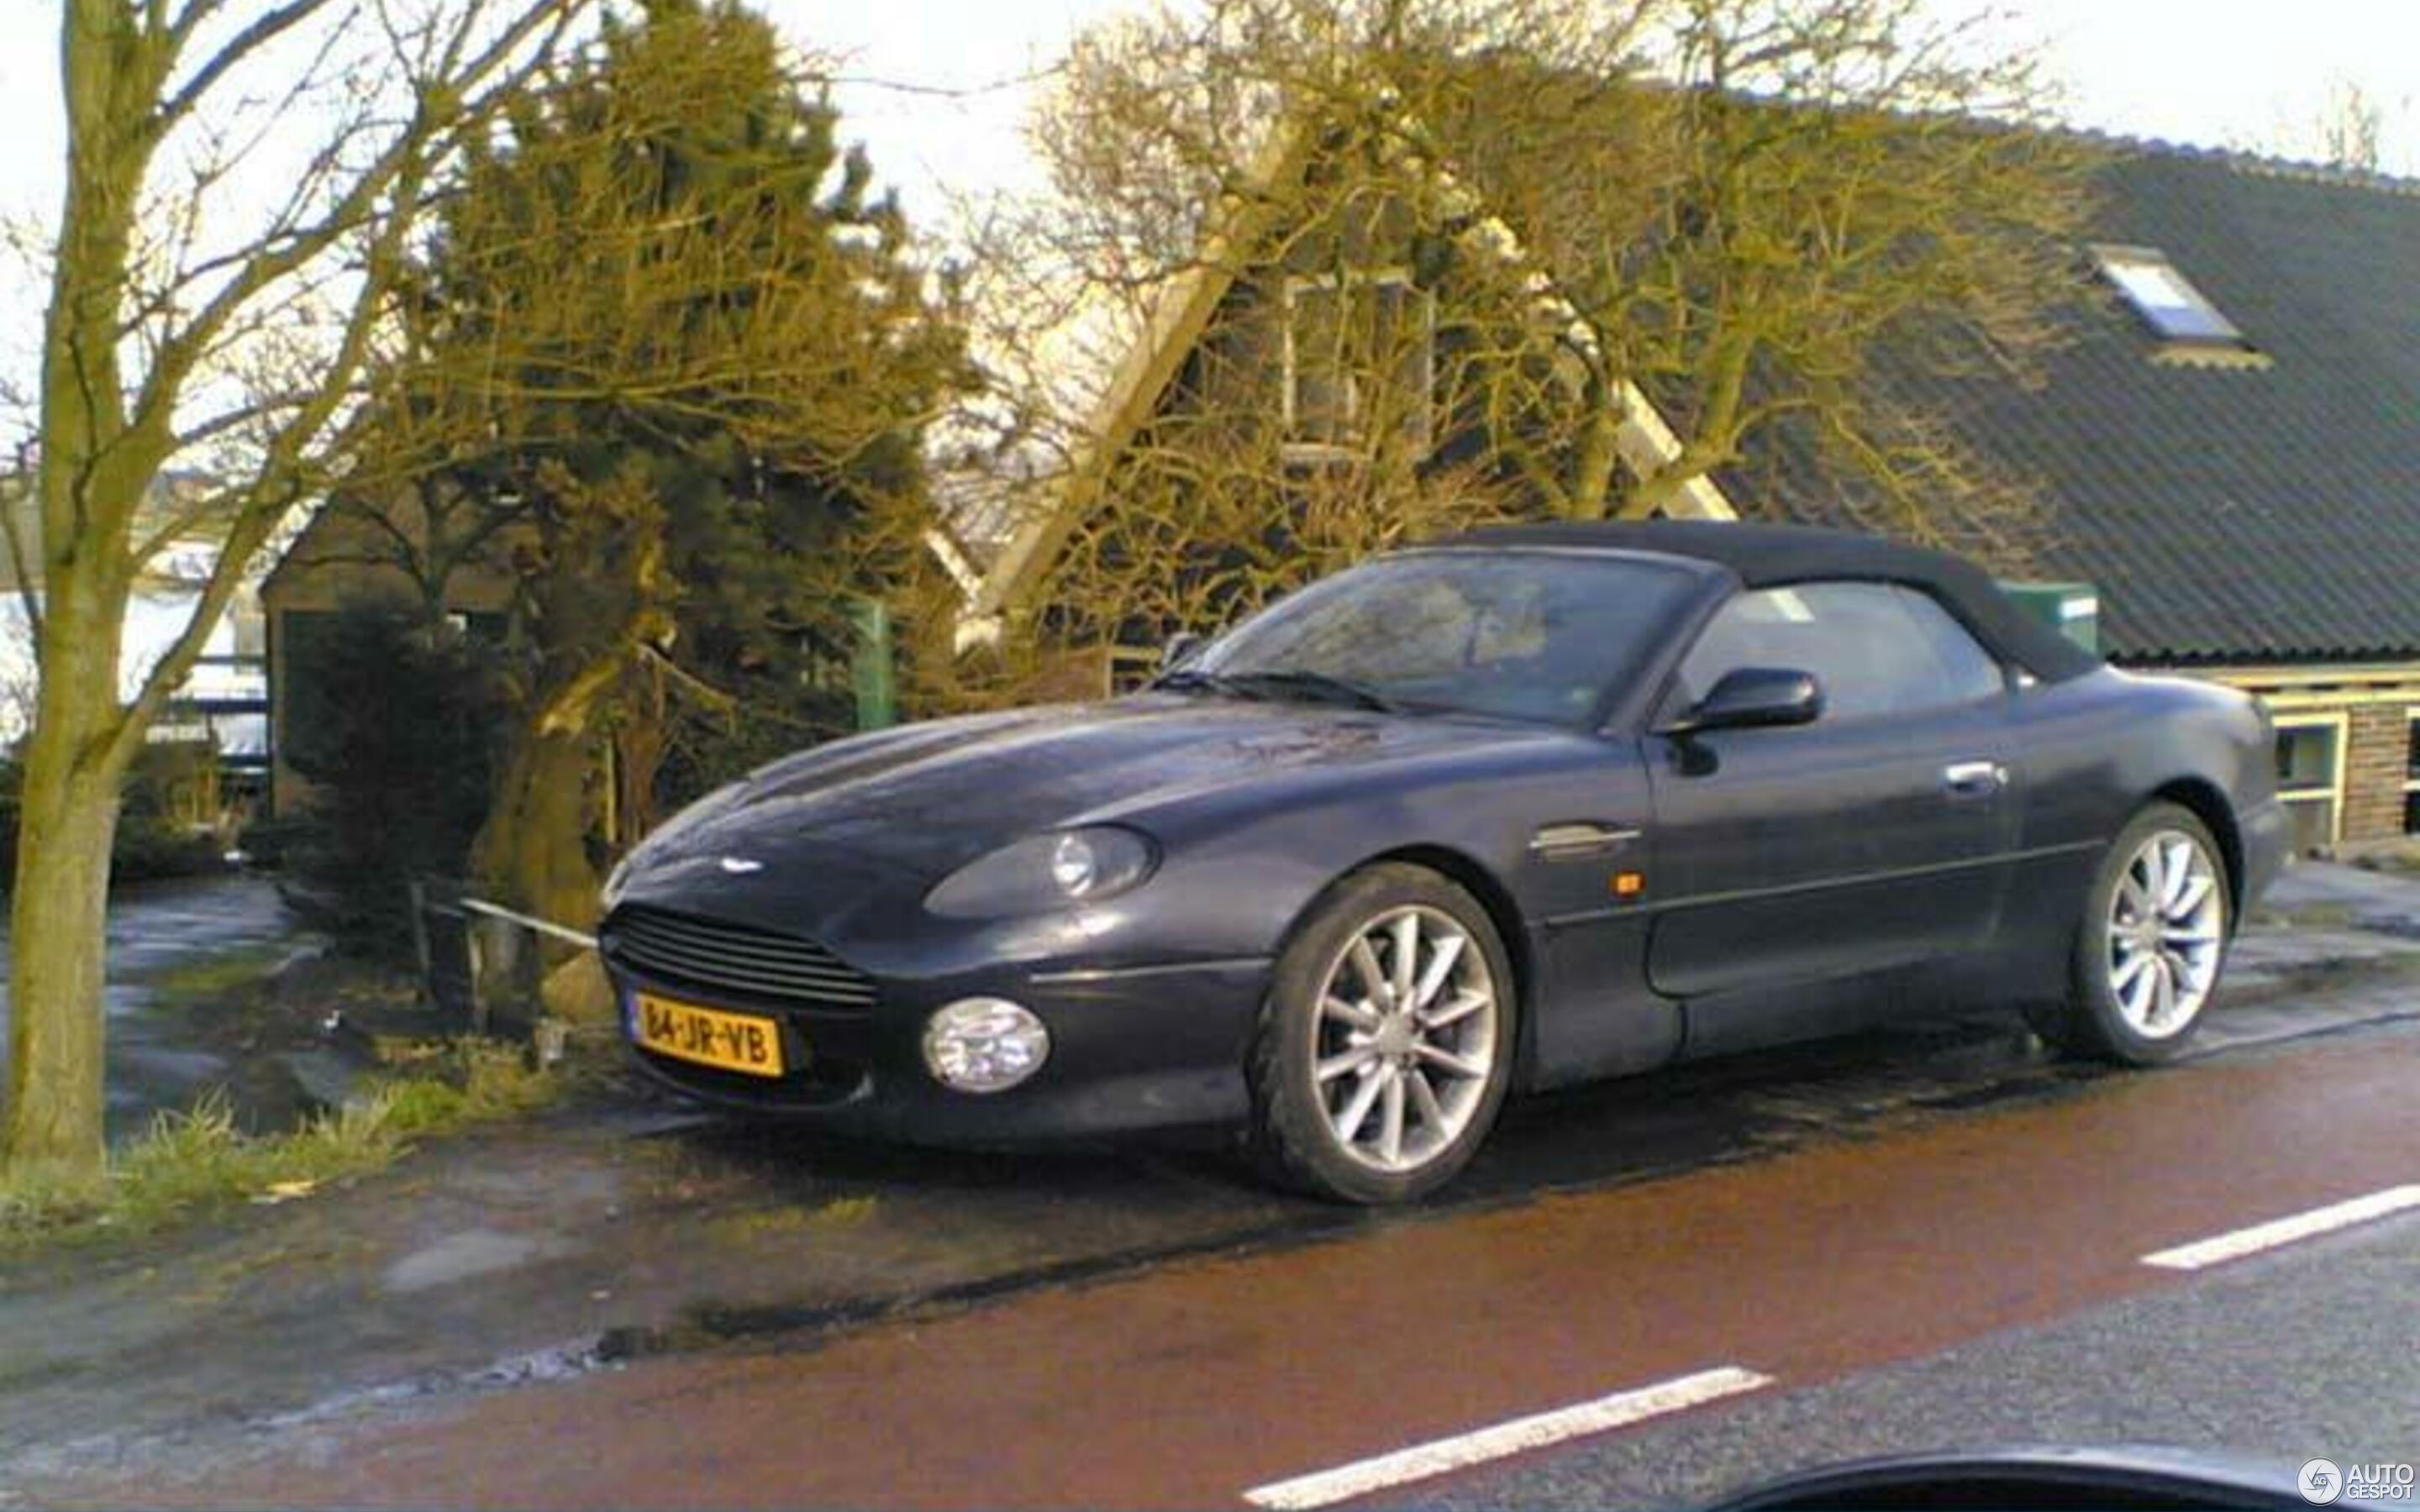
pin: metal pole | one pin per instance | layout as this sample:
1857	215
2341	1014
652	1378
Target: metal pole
560	932
870	669
419	941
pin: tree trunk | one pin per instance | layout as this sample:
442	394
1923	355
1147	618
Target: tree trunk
93	471
59	913
534	846
642	733
57	920
591	623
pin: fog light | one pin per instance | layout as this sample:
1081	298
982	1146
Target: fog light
985	1044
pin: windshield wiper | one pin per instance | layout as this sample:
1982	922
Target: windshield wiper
1282	683
1303	683
1191	680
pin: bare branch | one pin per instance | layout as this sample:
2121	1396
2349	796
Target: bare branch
1655	237
468	91
229	55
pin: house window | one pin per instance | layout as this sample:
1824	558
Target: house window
2310	776
2412	772
2166	299
485	629
1360	362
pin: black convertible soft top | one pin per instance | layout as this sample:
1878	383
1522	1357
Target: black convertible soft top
1771	556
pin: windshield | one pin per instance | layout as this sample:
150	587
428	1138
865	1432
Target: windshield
1516	635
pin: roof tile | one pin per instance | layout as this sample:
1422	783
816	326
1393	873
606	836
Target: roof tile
2230	513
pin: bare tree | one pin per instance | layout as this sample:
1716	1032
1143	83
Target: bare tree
242	183
1411	263
2349	130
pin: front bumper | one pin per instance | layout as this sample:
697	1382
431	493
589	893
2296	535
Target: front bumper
2266	834
1132	1047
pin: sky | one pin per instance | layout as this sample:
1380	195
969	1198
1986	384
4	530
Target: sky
2217	72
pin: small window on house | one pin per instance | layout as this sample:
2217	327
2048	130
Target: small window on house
2310	776
485	629
2412	772
2166	299
1361	363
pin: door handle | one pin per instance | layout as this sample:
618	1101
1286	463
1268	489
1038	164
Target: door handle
1973	780
1579	837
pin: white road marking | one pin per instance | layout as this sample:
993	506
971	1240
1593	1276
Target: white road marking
1462	1451
2252	1241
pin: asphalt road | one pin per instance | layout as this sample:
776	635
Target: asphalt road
1949	1270
2305	1353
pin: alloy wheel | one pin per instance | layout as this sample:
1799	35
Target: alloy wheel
1404	1038
2167	932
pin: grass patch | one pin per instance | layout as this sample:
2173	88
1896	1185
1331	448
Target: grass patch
445	1083
217	975
845	1211
201	1161
774	1223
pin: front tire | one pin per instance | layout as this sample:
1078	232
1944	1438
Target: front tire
1386	1042
2151	944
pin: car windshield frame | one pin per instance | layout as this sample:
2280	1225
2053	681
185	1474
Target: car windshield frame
1663	586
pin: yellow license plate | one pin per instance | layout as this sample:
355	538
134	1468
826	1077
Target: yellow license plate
727	1041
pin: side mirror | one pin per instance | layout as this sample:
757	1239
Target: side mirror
1754	698
1179	650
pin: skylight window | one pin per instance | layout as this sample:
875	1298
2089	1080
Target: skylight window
2166	299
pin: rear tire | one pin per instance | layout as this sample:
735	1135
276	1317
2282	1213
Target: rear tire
2151	945
1386	1042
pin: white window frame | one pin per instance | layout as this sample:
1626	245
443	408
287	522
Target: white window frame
2411	783
1360	447
2138	272
2334	793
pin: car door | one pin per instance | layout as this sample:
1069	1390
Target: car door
1875	836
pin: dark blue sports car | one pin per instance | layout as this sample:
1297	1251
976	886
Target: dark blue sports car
1531	807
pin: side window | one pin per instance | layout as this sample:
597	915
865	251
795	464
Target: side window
1968	671
1876	648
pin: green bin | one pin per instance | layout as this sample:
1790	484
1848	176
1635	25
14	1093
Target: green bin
2073	609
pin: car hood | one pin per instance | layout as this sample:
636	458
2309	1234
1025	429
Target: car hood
923	799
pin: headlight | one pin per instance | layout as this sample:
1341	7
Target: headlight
985	1044
1041	873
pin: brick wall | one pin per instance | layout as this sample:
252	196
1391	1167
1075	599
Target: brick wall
2376	751
2372	700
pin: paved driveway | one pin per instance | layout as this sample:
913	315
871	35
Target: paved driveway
155	931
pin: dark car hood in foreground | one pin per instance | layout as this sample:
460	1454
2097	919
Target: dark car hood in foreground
2105	1479
921	800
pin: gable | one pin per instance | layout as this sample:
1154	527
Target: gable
1192	329
341	557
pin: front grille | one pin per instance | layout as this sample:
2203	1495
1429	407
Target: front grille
734	958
